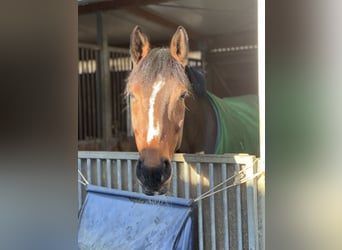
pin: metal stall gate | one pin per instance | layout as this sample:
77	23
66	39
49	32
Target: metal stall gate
230	216
90	127
119	66
89	121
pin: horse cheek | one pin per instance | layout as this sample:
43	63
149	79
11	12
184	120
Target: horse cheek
136	120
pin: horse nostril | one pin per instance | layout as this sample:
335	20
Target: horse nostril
166	172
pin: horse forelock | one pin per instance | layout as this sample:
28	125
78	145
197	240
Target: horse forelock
158	64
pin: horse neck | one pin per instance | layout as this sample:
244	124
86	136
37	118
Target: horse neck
200	128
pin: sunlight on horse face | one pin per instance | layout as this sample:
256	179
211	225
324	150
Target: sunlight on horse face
157	87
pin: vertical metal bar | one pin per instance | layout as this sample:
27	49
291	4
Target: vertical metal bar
88	90
112	72
261	204
119	176
115	85
186	181
89	179
140	189
84	95
225	208
200	208
129	175
174	179
93	92
98	96
106	98
251	207
90	121
117	90
98	172
212	208
238	211
122	88
119	93
79	186
203	46
109	175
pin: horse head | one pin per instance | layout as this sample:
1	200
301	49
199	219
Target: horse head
157	87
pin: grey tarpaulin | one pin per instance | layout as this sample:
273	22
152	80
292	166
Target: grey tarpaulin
116	219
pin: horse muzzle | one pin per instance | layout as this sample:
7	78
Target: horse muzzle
154	179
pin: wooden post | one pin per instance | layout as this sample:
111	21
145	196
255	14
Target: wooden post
102	41
203	47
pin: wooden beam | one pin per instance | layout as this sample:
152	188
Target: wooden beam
102	40
94	6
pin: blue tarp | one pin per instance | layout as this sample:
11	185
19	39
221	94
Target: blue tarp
115	219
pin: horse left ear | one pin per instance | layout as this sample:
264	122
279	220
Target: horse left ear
179	46
140	45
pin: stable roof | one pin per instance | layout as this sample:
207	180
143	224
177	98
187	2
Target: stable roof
210	23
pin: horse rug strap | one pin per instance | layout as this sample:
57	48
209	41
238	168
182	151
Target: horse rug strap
238	124
115	219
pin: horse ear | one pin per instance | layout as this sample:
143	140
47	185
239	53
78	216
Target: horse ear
179	46
140	45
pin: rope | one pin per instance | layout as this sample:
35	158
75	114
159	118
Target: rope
222	183
84	180
211	192
83	183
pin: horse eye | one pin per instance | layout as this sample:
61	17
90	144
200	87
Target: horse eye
183	95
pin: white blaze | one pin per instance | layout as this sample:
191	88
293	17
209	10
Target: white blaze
153	130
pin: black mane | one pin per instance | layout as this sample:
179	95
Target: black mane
197	81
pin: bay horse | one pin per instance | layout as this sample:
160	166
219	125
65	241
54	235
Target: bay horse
172	111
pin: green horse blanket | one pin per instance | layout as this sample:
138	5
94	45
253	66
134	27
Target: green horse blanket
238	124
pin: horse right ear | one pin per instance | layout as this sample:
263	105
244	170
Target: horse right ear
140	45
179	46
